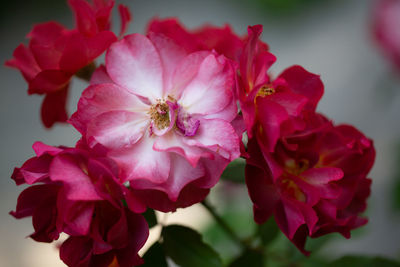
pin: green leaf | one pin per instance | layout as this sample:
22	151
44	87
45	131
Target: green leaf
155	257
150	217
249	258
234	172
268	231
362	261
186	248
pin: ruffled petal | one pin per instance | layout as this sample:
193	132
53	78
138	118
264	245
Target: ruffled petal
117	129
173	142
142	162
135	64
77	184
100	98
211	90
217	136
170	54
54	107
304	83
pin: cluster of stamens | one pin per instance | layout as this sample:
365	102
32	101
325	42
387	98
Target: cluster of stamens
265	91
159	114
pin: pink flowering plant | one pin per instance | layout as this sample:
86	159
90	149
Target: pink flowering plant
165	116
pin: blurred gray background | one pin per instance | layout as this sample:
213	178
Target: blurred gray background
330	38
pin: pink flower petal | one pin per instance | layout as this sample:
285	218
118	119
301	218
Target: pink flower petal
185	72
77	184
180	174
228	113
170	54
41	149
53	107
142	162
126	17
304	83
84	16
46	33
79	50
117	129
135	64
97	99
173	142
25	62
100	75
218	136
293	103
271	115
49	81
318	176
289	218
211	90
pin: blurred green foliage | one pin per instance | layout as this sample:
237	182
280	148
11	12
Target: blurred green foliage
41	10
155	256
186	248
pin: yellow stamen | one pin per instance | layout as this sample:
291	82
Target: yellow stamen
159	114
265	91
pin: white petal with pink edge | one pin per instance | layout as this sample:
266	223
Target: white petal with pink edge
142	162
117	129
218	136
135	64
173	142
100	98
210	91
181	174
171	54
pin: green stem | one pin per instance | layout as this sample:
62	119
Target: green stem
228	230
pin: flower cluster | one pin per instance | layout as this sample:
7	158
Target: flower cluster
55	54
161	120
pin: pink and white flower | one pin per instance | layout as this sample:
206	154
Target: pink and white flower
163	114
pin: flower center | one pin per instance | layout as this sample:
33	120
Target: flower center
293	190
265	91
159	114
297	167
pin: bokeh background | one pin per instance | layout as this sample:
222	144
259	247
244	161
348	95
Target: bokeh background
330	38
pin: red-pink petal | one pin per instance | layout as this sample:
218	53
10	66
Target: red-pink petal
81	50
84	16
46	33
293	103
126	17
271	115
25	62
77	184
324	175
49	81
54	107
304	83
